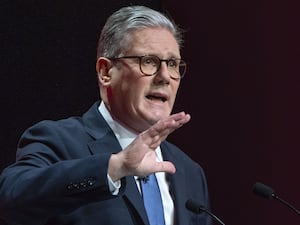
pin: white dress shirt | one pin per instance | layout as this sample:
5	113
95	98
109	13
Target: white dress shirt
125	137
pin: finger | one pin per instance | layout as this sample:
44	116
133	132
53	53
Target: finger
177	116
171	123
181	117
159	131
184	120
165	166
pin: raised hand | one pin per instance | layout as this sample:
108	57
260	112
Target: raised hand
139	158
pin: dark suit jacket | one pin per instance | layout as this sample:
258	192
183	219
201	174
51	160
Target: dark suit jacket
60	178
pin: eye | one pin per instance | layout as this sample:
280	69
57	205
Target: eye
172	63
149	60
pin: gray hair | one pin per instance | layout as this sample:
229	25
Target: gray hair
116	34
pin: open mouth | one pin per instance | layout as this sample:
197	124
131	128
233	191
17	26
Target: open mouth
157	98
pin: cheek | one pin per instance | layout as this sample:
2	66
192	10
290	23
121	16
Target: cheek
124	95
175	88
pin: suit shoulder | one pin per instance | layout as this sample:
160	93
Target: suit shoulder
69	123
47	131
56	125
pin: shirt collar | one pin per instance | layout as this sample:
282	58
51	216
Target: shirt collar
122	133
124	136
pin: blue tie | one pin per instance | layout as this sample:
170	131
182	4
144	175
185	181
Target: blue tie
152	200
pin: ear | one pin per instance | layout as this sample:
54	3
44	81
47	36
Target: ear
103	66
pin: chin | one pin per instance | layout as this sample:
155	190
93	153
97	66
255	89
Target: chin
152	115
156	117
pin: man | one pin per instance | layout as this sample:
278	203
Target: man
90	169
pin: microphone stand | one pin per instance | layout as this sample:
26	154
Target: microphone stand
287	204
212	215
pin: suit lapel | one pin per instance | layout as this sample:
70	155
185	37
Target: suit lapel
106	142
133	195
176	184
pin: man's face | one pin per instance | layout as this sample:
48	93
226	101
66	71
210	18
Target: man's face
138	101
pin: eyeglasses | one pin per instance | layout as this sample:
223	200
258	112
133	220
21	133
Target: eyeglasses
150	65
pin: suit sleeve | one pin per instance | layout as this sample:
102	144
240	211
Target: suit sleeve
54	173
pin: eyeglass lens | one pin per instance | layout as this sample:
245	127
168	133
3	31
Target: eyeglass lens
150	65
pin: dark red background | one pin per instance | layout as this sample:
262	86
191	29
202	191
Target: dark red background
242	89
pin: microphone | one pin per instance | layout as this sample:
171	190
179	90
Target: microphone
267	192
197	208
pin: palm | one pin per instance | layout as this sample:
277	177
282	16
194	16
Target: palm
140	157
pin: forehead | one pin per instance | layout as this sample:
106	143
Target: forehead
157	41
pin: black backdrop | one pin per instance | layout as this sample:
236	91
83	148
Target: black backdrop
242	88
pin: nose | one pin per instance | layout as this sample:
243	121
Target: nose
163	74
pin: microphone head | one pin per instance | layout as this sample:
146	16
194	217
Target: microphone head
193	206
263	190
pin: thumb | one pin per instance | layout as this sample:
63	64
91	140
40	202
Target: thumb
165	166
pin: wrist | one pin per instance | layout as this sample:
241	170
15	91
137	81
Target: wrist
115	170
